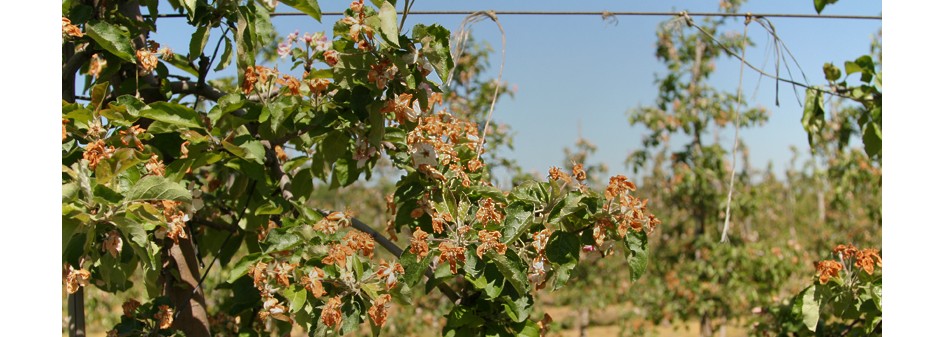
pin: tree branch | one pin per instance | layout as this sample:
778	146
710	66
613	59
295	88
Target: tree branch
81	56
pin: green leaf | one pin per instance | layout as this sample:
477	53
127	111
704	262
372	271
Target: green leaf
245	45
157	188
413	269
635	244
309	7
809	307
463	316
190	6
813	118
820	4
436	47
99	92
172	113
198	41
296	296
112	38
873	139
388	24
531	192
563	251
226	57
512	267
518	219
279	240
106	194
132	230
831	72
243	265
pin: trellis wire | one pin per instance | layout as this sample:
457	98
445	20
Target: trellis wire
591	13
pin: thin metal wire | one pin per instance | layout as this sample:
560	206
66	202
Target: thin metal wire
593	13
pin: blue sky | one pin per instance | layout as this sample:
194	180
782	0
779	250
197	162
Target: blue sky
581	70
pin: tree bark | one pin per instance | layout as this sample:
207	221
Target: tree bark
186	293
76	317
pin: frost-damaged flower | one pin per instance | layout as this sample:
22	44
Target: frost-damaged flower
487	212
474	165
313	282
489	240
360	241
337	255
129	307
578	172
540	240
292	84
130	136
250	77
282	271
146	59
423	154
333	221
96	64
331	313
331	57
112	243
155	166
74	278
363	150
438	220
866	258
419	245
64	133
96	151
166	53
404	107
321	42
272	308
280	154
260	275
389	273
176	220
68	29
451	254
184	151
164	316
378	310
381	73
600	230
537	270
317	86
828	269
618	185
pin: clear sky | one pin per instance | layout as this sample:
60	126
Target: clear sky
582	70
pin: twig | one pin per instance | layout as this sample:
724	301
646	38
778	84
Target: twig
738	104
461	36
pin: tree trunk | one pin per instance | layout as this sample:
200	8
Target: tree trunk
186	293
705	326
76	317
583	322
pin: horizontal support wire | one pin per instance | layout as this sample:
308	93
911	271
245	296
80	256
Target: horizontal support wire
592	13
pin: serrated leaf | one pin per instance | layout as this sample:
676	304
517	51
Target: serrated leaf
309	7
242	266
157	188
226	57
296	296
172	113
388	24
111	38
180	62
198	41
512	268
636	253
413	269
563	251
873	140
518	219
436	47
813	118
809	308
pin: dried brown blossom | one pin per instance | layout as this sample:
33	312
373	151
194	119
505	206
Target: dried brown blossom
96	151
452	254
419	245
489	240
331	313
164	316
378	310
74	278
